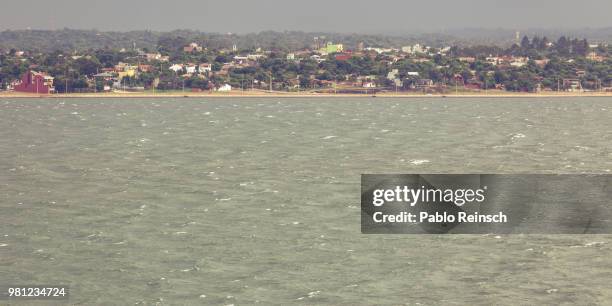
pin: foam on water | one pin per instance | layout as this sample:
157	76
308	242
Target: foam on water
174	200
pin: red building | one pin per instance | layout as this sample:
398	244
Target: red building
36	82
345	56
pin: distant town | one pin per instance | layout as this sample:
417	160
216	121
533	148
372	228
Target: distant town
532	64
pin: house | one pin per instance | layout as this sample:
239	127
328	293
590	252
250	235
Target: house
365	78
105	75
458	79
204	68
343	56
156	57
225	88
254	57
192	47
11	85
392	75
423	83
190	68
418	83
494	60
125	70
333	48
240	59
417	48
36	82
379	50
176	67
369	85
317	58
542	63
145	68
396	58
106	78
572	85
444	50
467	59
593	56
407	49
519	61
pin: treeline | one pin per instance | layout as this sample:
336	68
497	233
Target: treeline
68	40
82	40
535	48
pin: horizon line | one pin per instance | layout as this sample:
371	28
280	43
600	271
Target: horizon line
384	33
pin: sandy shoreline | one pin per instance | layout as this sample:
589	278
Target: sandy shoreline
259	94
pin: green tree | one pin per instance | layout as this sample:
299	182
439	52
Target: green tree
87	65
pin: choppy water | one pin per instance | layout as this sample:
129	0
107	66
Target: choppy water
246	201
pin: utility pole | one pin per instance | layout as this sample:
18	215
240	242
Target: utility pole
456	88
598	85
66	79
161	70
270	81
336	85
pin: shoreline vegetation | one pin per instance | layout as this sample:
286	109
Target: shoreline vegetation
283	94
196	66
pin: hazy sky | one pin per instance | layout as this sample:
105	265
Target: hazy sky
369	16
